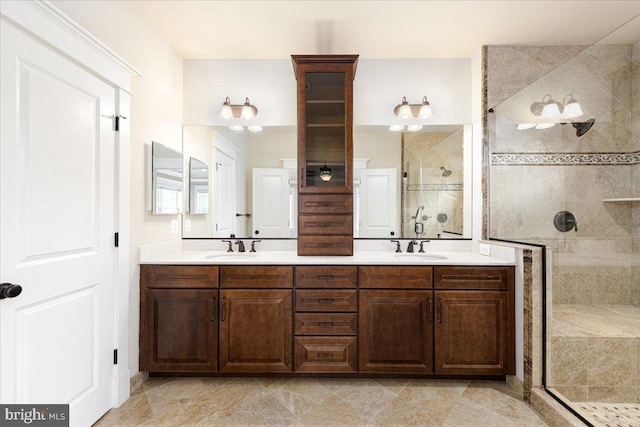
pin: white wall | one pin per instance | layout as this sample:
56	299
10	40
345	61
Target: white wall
378	87
156	114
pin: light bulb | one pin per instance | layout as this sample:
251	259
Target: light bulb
247	112
226	112
550	110
572	110
425	109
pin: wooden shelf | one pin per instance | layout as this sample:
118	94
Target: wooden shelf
622	200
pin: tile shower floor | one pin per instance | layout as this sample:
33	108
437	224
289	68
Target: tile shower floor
321	402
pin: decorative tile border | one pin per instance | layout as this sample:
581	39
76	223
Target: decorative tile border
555	159
433	187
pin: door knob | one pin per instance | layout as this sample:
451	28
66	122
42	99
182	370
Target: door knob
9	290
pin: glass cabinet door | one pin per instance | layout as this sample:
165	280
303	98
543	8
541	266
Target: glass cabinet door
325	130
325	151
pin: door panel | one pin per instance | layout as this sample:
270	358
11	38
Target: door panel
57	221
256	330
270	197
472	332
396	331
378	203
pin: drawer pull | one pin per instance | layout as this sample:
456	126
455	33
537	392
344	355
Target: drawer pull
325	355
212	308
323	245
319	204
322	224
325	324
326	277
326	301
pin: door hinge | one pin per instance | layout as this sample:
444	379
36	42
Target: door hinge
117	124
115	356
116	239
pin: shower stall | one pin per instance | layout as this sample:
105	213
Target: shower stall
563	139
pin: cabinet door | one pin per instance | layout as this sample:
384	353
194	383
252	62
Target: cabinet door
396	331
181	330
472	332
256	330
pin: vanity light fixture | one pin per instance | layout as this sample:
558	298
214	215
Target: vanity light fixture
245	111
325	173
552	112
405	111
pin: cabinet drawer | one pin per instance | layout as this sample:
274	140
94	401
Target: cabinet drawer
179	276
325	224
256	277
326	277
326	354
474	277
326	300
396	277
325	204
326	324
325	245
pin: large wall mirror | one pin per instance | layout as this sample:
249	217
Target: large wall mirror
406	184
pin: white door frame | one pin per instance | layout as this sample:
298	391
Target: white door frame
47	24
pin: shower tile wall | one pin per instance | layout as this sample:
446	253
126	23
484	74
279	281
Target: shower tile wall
591	266
428	152
540	172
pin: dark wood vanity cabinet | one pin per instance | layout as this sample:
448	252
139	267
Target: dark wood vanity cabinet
255	330
178	318
326	319
373	320
475	321
325	153
396	319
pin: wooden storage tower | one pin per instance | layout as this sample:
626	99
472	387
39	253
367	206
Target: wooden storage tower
325	153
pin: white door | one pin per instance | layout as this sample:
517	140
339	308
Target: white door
224	194
57	223
378	204
270	201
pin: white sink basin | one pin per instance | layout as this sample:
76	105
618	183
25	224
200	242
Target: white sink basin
421	256
231	256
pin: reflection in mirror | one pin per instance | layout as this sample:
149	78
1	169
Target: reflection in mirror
385	198
198	187
432	187
166	181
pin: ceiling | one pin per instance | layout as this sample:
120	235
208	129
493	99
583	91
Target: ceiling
378	29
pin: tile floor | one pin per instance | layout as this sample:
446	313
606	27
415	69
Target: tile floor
321	402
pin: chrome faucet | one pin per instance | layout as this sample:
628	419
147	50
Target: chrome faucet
410	246
240	244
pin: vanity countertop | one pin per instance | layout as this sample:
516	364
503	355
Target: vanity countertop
203	257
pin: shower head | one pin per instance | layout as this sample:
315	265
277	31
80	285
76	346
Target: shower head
583	127
445	172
